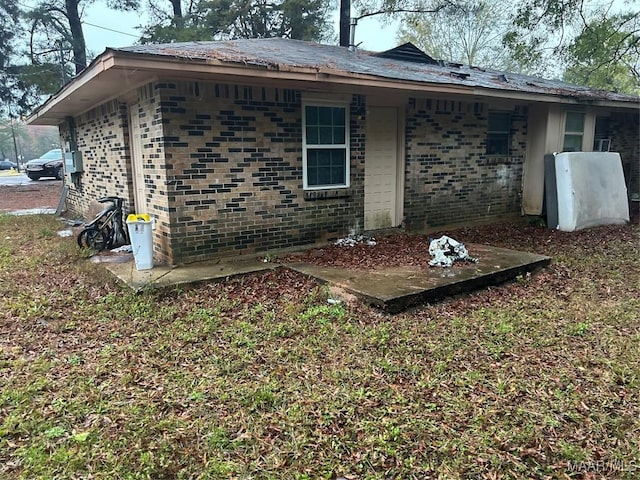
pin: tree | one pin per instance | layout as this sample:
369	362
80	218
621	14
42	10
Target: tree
368	8
545	32
606	54
9	23
469	33
229	19
40	139
55	25
22	82
41	48
389	10
177	24
16	91
31	141
7	134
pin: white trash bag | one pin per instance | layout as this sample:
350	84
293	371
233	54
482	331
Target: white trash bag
445	250
352	240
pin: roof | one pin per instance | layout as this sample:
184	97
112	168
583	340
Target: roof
409	52
300	61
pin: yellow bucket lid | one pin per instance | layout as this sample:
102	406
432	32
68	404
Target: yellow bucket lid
138	217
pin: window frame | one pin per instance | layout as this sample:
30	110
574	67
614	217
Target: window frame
509	116
312	102
573	133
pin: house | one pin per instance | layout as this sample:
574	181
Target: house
248	145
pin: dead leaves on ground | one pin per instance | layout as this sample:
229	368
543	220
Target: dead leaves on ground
259	377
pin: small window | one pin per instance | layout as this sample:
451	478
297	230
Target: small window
573	132
602	137
326	152
498	134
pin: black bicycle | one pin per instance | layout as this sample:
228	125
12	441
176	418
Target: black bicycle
107	229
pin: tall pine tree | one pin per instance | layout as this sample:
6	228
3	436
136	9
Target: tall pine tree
16	90
56	25
229	19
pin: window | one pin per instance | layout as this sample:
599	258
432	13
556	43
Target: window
573	132
602	137
498	134
325	148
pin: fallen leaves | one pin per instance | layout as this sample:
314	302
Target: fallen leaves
260	377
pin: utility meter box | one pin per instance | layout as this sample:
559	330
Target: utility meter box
73	162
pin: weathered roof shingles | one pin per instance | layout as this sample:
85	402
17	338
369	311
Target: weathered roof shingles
279	53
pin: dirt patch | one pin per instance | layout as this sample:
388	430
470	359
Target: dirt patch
34	195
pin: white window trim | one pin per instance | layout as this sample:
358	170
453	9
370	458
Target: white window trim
347	145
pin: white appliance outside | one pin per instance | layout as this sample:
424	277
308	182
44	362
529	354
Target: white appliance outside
591	190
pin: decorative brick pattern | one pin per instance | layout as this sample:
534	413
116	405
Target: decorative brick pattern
152	152
222	167
103	140
448	177
232	166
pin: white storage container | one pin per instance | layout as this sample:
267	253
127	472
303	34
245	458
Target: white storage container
141	237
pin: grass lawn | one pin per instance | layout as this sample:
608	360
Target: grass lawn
260	378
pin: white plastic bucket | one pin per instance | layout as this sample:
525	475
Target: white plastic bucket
141	237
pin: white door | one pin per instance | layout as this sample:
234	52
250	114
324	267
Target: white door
381	168
135	145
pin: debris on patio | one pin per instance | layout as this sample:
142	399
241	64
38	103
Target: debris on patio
352	240
446	250
121	254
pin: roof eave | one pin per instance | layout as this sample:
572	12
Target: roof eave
335	76
549	98
113	66
99	65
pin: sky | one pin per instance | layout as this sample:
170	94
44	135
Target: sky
104	28
370	33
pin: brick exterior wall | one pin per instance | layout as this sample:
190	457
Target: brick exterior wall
223	173
103	140
151	150
625	139
448	177
233	172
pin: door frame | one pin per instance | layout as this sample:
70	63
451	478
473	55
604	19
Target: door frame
137	169
400	106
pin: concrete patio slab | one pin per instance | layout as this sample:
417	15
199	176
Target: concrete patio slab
391	288
396	288
163	276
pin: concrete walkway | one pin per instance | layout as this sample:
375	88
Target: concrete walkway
392	289
163	276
